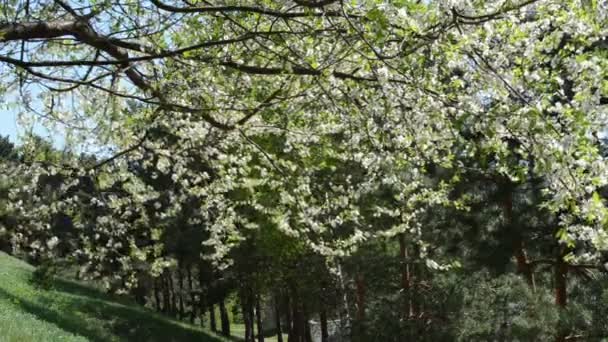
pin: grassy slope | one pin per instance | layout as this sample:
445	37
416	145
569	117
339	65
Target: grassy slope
73	312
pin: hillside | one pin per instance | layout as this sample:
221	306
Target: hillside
74	312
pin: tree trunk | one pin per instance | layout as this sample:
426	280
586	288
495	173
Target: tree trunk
248	316
247	321
561	272
523	266
360	295
277	313
192	295
212	321
323	321
173	295
251	308
258	315
307	332
344	314
359	327
180	281
288	318
299	326
420	275
298	329
166	294
561	295
203	303
225	322
140	290
157	295
405	278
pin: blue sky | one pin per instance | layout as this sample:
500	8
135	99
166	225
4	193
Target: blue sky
8	124
10	127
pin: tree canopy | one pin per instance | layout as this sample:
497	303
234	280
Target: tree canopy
444	132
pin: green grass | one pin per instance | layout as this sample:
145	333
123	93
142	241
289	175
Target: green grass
74	312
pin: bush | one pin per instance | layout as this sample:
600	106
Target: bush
44	274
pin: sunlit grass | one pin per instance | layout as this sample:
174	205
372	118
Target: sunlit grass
70	311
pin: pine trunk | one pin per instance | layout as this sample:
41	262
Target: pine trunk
166	295
288	318
157	295
307	332
180	280
360	284
277	313
173	295
258	315
248	316
297	316
192	295
523	266
561	272
561	294
203	305
225	322
405	278
251	308
359	327
323	321
212	321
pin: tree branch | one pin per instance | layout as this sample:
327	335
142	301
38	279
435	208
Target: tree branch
246	9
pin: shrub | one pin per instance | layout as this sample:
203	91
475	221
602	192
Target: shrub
44	274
